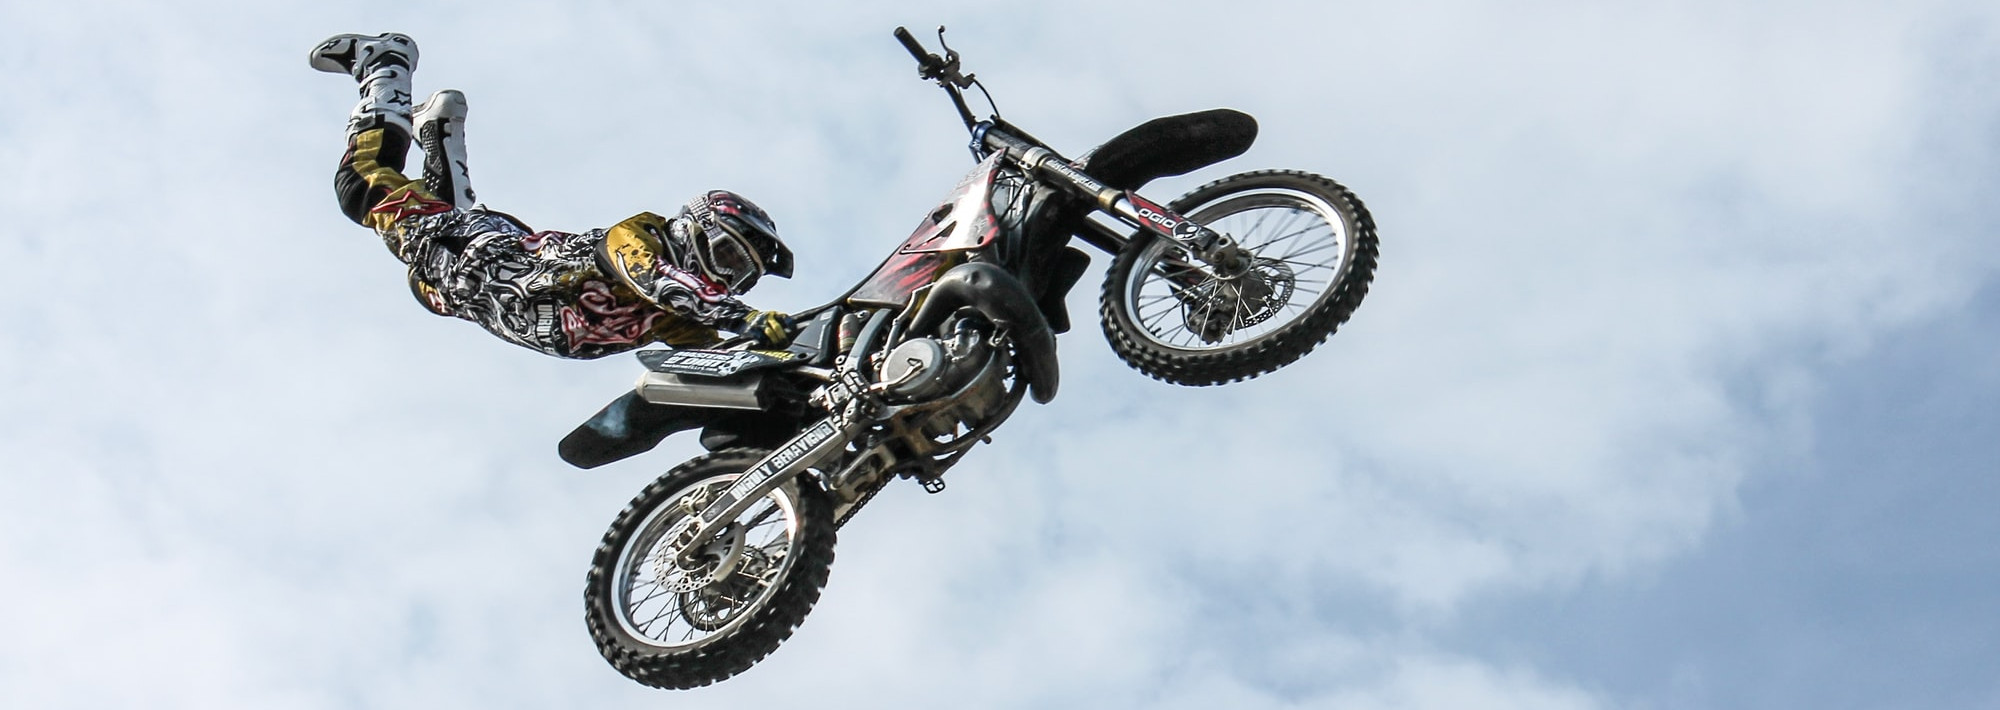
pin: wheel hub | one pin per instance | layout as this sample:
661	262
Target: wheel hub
684	570
711	607
1222	305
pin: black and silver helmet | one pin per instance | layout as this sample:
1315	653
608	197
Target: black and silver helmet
731	240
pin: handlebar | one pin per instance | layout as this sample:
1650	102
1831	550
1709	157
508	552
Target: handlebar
944	71
925	60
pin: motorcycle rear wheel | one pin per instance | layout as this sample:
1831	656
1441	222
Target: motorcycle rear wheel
1313	250
672	625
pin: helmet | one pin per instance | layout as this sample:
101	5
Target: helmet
731	240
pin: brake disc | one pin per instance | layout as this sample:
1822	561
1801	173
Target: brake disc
716	560
1219	307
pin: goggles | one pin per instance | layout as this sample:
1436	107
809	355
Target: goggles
728	258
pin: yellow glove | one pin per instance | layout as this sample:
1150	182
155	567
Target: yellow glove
771	327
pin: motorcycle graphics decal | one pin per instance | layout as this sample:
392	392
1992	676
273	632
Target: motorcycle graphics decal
1161	219
963	222
708	363
1068	170
969	224
898	277
777	463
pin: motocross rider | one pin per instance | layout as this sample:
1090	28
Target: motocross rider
648	279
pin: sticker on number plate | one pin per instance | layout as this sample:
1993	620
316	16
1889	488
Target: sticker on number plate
710	363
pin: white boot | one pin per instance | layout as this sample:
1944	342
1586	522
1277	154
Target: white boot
354	55
382	64
441	135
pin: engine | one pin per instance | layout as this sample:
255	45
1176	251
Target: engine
947	387
928	368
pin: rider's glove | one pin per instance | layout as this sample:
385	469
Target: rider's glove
767	327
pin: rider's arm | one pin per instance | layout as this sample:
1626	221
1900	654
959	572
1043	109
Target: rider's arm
633	252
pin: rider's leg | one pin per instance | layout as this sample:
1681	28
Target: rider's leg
378	131
382	64
441	135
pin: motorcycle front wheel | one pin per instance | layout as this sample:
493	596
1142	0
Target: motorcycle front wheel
674	620
1311	246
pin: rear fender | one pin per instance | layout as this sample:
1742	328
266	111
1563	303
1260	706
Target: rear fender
627	427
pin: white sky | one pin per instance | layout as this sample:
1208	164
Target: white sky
1671	391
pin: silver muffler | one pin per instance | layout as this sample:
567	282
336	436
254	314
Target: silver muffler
743	391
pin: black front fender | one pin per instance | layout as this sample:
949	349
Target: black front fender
1171	145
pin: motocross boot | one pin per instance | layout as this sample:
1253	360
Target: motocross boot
441	134
356	55
382	64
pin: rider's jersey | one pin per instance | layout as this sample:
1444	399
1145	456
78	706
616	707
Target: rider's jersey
545	290
575	295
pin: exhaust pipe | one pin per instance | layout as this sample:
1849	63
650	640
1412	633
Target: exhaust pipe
741	392
1004	300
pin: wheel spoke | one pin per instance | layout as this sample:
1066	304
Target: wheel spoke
659	590
661	614
1302	266
1207	312
1304	235
1262	217
648	605
761	516
1323	246
1289	235
1152	325
1179	267
1154	317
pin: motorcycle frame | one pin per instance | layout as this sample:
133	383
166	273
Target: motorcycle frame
850	396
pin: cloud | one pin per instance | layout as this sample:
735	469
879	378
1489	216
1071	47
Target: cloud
1618	242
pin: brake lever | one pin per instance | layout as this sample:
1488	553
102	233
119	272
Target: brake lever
945	71
949	71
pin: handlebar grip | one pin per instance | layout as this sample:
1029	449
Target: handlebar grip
910	43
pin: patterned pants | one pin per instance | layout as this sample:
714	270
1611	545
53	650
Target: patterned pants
541	290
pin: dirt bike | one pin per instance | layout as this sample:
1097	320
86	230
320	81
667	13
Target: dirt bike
719	560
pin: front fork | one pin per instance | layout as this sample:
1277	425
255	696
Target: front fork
1215	249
